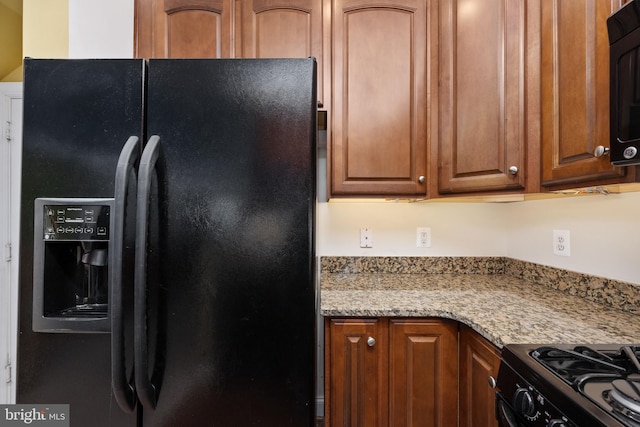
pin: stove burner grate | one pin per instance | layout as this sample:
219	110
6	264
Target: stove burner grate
608	377
581	364
624	398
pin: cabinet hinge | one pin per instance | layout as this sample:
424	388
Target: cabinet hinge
7	252
7	132
8	371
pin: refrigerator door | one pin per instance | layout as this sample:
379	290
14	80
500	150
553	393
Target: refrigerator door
78	114
230	292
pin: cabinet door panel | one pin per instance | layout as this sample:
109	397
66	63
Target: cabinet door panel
183	29
482	95
575	91
479	360
277	29
379	97
357	372
423	373
193	34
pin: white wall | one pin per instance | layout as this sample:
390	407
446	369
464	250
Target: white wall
101	29
462	229
604	229
605	234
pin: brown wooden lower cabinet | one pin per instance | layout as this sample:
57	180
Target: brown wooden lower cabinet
479	360
383	372
356	358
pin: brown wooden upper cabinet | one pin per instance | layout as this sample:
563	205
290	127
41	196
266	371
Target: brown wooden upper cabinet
378	139
482	104
232	29
283	29
183	28
575	94
427	98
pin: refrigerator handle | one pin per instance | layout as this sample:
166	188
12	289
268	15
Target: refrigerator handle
123	390
147	391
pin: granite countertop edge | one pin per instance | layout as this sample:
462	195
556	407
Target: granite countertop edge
504	307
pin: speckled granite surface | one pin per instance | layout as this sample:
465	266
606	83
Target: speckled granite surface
505	300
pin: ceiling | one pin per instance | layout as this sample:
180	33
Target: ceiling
15	5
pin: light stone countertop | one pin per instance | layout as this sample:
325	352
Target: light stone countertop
502	308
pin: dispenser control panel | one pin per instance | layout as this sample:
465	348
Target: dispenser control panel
76	222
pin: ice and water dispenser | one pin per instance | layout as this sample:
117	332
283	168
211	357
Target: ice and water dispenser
71	263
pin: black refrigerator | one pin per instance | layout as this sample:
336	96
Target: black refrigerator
167	262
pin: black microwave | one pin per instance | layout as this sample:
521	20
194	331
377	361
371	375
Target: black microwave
624	40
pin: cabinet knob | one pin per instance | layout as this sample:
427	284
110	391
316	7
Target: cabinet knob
421	179
600	151
492	382
513	170
371	341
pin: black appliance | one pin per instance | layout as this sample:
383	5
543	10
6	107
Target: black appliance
624	39
569	386
167	262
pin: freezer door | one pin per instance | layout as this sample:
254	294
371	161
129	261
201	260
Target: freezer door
78	114
230	292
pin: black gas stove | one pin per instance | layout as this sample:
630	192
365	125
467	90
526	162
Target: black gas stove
569	386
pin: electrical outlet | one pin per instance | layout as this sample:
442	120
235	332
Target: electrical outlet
366	237
562	242
423	237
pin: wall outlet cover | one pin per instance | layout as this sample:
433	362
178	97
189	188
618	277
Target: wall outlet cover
562	242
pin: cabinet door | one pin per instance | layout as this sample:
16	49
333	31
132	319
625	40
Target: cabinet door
575	92
183	29
380	81
277	29
479	360
482	110
423	389
356	369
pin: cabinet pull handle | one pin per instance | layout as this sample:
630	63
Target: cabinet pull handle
421	179
513	170
492	382
371	341
601	150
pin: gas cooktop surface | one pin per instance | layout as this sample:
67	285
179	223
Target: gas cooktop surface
590	384
609	376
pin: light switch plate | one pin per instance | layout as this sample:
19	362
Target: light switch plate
366	237
423	237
